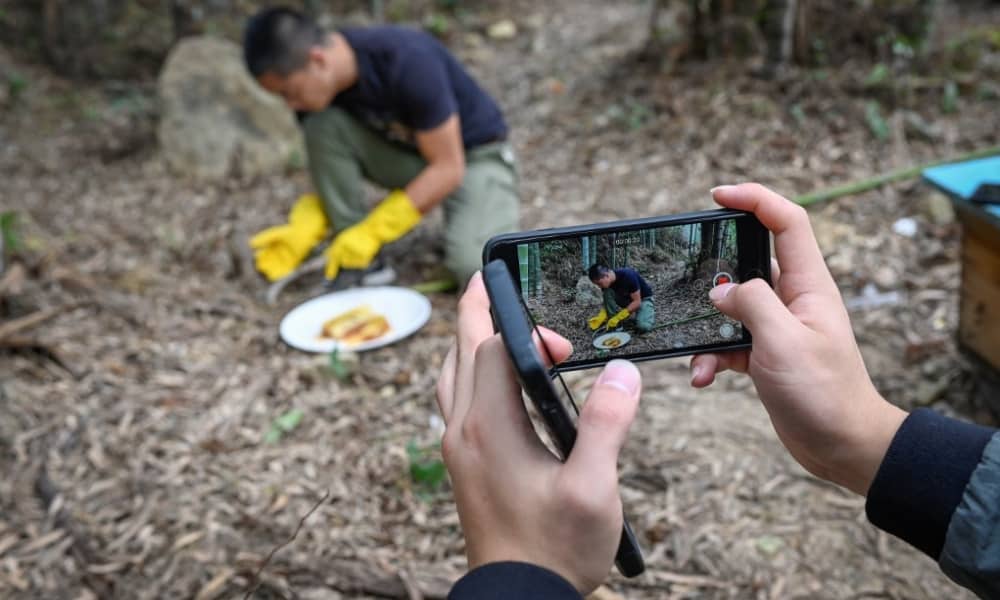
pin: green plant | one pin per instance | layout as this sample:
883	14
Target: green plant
427	471
949	99
9	232
437	24
286	423
340	368
876	123
16	84
878	75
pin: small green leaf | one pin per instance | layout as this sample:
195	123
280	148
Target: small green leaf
9	231
769	544
283	424
949	102
273	435
877	124
798	114
427	471
339	368
879	74
16	84
290	420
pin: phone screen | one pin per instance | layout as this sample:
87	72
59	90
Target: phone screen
579	284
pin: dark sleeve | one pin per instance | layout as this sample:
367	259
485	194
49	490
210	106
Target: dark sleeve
423	90
923	476
971	554
505	580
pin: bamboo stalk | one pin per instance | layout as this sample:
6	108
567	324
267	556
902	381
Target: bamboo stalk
891	177
687	320
435	286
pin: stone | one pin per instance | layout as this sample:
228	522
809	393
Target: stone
588	294
502	30
216	121
939	209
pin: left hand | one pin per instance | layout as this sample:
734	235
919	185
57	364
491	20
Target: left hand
618	318
516	501
356	246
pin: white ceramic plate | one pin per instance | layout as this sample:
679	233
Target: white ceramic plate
621	336
405	309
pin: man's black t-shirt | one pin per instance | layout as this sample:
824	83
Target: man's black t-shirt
627	281
408	81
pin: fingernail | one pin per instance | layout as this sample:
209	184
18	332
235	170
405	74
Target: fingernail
720	188
621	374
695	372
720	291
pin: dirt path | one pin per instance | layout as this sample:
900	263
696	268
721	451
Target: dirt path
138	468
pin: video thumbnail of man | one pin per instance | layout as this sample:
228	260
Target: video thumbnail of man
632	292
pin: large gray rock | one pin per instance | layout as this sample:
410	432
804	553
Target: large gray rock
215	119
587	293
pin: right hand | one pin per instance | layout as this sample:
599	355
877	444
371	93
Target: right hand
597	320
279	249
516	501
805	362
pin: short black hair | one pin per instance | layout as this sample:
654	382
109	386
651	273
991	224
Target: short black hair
596	271
277	40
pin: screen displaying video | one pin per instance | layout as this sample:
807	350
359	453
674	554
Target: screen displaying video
625	293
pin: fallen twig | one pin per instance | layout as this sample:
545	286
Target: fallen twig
255	580
12	327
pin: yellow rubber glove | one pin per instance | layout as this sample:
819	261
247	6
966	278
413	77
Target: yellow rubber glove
618	318
356	246
598	320
278	250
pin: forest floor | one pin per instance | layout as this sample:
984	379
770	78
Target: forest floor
133	414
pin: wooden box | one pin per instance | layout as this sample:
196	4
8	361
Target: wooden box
979	302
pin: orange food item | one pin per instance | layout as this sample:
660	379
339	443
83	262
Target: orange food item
356	326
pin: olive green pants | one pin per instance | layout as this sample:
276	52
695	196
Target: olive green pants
644	317
343	152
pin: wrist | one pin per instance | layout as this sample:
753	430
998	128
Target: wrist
866	445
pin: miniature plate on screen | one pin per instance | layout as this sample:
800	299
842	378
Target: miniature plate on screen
404	309
612	340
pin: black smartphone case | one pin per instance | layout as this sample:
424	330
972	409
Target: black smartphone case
510	318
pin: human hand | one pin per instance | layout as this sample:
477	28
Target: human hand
516	501
618	318
805	362
357	246
279	249
597	320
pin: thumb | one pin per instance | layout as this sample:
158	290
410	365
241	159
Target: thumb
604	422
755	304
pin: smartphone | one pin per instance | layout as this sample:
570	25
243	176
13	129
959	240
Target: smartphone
577	280
551	399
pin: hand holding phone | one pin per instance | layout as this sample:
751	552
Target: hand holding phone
805	362
516	501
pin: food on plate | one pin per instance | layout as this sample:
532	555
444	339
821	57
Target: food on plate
358	325
611	342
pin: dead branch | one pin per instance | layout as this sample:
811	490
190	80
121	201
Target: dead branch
255	580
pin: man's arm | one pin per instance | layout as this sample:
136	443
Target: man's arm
442	148
636	302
